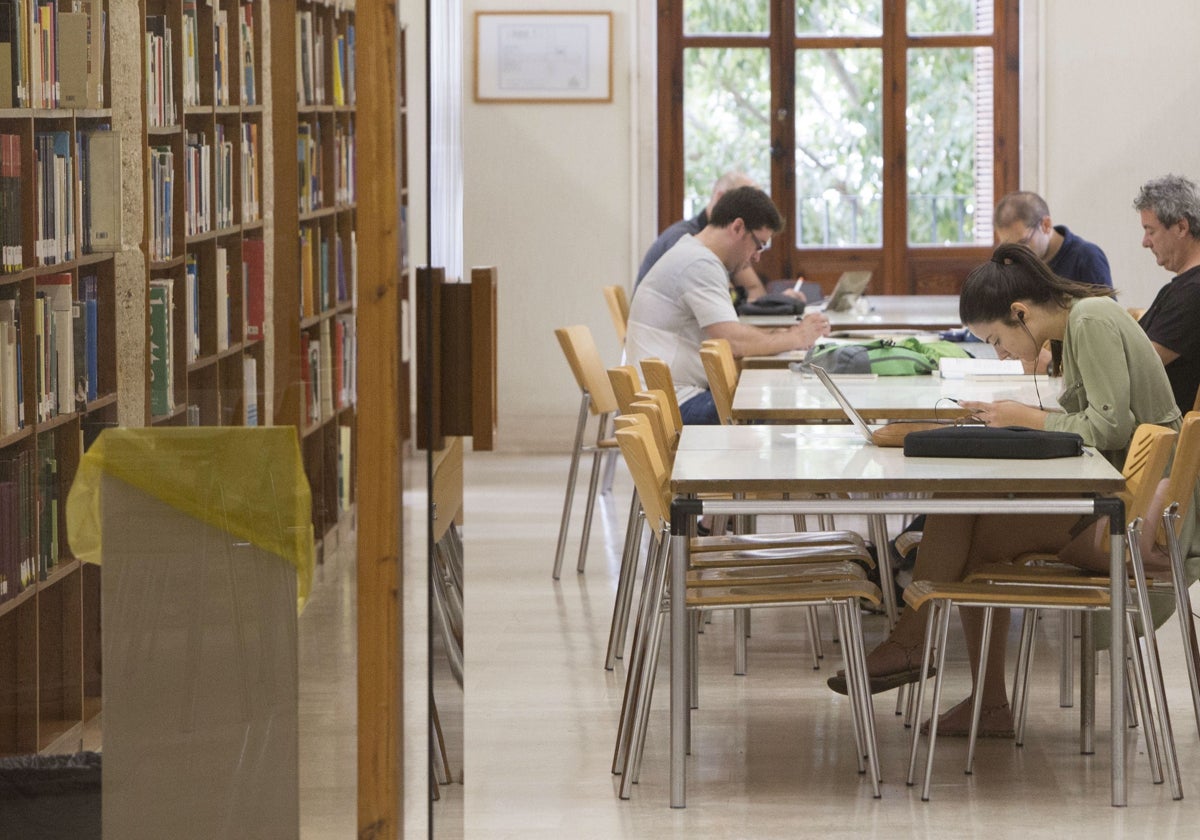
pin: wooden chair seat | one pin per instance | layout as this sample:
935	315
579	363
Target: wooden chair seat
788	554
981	594
771	595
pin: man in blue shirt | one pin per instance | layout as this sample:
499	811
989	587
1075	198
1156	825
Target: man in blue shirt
1024	218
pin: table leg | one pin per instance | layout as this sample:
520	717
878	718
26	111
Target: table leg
1117	651
679	657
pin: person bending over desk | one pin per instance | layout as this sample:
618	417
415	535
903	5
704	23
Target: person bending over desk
684	300
1112	382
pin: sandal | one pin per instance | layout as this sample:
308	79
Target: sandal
880	683
994	722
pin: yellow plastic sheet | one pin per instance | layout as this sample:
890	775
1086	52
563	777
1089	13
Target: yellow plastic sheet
249	482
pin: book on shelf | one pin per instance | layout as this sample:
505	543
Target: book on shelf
12	415
11	212
162	385
250	180
159	72
12	67
73	59
326	370
55	200
307	271
345	466
191	54
246	41
339	70
88	291
197	184
222	67
323	275
102	191
16	526
191	304
348	360
47	502
221	289
58	394
223	179
250	390
339	269
254	294
351	94
162	163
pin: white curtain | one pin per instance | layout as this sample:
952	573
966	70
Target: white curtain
445	153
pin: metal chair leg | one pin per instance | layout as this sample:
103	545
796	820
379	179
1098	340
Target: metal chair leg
572	475
625	579
1183	608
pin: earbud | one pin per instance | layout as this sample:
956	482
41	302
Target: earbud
1021	316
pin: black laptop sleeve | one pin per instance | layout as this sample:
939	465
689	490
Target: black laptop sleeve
992	442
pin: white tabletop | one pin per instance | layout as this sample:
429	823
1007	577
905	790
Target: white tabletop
781	394
878	312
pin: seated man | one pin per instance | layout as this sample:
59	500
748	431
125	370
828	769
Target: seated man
684	300
746	283
1024	218
1170	213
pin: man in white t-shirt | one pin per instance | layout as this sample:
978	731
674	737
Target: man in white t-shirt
684	299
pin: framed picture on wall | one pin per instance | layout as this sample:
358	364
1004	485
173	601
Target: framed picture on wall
543	56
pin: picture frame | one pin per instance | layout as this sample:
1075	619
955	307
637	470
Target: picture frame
543	57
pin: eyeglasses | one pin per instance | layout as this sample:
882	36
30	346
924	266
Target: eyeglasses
762	246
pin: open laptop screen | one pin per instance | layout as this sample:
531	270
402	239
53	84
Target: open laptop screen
834	391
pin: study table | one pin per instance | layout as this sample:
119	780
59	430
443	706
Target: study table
880	312
835	462
783	395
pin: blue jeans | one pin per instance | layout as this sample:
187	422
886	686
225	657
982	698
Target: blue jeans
700	410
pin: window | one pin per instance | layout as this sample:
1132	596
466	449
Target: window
885	131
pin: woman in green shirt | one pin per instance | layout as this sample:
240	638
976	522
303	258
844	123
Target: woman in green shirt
1113	381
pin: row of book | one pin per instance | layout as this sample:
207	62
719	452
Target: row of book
310	58
310	156
214	283
73	191
317	269
18	521
207	182
224	74
50	58
159	72
162	188
343	68
344	164
328	368
251	190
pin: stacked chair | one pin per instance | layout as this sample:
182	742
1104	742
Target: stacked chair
732	579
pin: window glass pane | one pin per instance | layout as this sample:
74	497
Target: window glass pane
726	119
839	151
950	148
941	16
839	17
721	16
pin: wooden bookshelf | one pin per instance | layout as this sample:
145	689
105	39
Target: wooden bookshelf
58	287
315	297
204	131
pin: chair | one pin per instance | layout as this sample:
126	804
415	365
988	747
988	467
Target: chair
722	372
597	398
657	374
618	309
1149	453
839	584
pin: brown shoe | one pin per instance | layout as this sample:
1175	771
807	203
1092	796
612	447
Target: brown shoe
996	722
910	672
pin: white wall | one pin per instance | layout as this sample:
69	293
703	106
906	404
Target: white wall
561	197
1122	105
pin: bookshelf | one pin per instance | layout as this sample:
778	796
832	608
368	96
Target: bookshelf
204	228
315	245
60	229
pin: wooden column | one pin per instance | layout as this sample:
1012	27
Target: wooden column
378	459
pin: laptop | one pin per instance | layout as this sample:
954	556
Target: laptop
855	418
846	293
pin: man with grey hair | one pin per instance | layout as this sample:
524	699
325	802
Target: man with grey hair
745	279
1170	214
1024	218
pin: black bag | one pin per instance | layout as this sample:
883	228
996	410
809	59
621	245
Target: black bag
772	304
992	442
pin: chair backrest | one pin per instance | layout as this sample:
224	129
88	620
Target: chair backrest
657	374
618	309
721	370
661	415
650	475
1147	459
625	383
584	359
653	412
1185	470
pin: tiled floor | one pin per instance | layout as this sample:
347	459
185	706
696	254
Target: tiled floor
772	754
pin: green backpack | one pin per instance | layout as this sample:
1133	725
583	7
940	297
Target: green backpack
883	357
